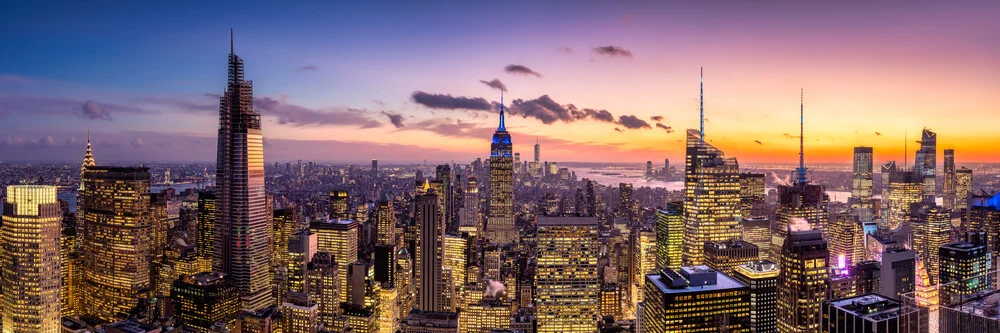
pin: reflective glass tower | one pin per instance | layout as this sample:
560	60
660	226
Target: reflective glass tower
862	184
242	234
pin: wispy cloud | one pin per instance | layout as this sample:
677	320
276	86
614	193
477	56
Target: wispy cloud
307	68
448	102
297	115
656	118
395	118
495	84
565	50
632	122
521	70
91	110
665	128
613	51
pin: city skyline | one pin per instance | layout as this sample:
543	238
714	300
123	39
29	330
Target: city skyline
334	91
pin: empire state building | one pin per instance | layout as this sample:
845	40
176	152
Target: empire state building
242	236
500	218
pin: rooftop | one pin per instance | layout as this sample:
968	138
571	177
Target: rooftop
703	278
871	307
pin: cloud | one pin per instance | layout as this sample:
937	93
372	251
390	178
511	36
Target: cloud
548	111
307	68
91	110
521	70
296	115
47	141
613	51
70	140
619	130
395	118
137	143
565	50
445	101
656	118
758	142
495	84
665	128
452	128
632	122
878	133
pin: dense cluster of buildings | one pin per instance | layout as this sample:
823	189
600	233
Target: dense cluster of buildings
462	251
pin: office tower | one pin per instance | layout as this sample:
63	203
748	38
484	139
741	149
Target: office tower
299	313
649	169
670	236
802	281
949	179
454	260
887	170
964	268
206	224
158	222
302	247
389	314
71	274
242	235
866	277
591	198
116	246
931	226
610	300
897	273
385	222
374	171
204	299
800	201
446	193
285	225
418	321
322	282
431	282
984	215
752	195
904	191
666	167
757	231
500	217
711	197
866	313
30	259
925	165
363	294
645	258
627	206
566	281
963	188
488	314
385	265
694	299
847	240
405	281
469	218
340	238
862	184
724	256
266	320
339	207
762	279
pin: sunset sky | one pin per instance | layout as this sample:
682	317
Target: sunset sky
590	81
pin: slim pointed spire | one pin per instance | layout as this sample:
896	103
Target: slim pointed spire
802	155
232	48
701	102
502	126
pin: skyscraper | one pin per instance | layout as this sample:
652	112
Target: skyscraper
447	194
116	248
802	281
323	283
385	223
339	205
967	263
925	165
862	184
905	189
866	313
887	170
931	226
538	160
752	195
694	299
566	280
500	220
30	260
725	256
204	299
711	197
88	160
950	179
431	280
242	235
670	236
206	224
847	241
963	188
340	238
762	278
469	217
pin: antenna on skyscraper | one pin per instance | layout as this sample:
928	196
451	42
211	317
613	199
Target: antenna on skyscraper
502	126
701	102
802	154
905	139
232	48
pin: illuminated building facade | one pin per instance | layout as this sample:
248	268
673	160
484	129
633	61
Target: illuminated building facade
206	224
299	313
866	313
454	264
500	217
967	263
695	299
886	172
897	274
757	231
862	183
340	238
158	223
432	283
847	240
339	205
752	195
469	218
322	283
71	271
285	225
566	279
30	259
204	299
385	223
762	279
611	300
925	164
725	256
430	322
963	188
242	233
489	314
711	198
627	206
801	200
802	281
116	245
931	226
644	259
302	247
905	189
950	179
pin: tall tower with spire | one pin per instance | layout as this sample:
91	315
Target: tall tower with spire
88	160
242	234
801	171
500	218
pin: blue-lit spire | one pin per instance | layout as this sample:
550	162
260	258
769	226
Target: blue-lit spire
502	126
801	171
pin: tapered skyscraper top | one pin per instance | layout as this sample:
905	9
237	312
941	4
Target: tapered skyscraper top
502	127
801	171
